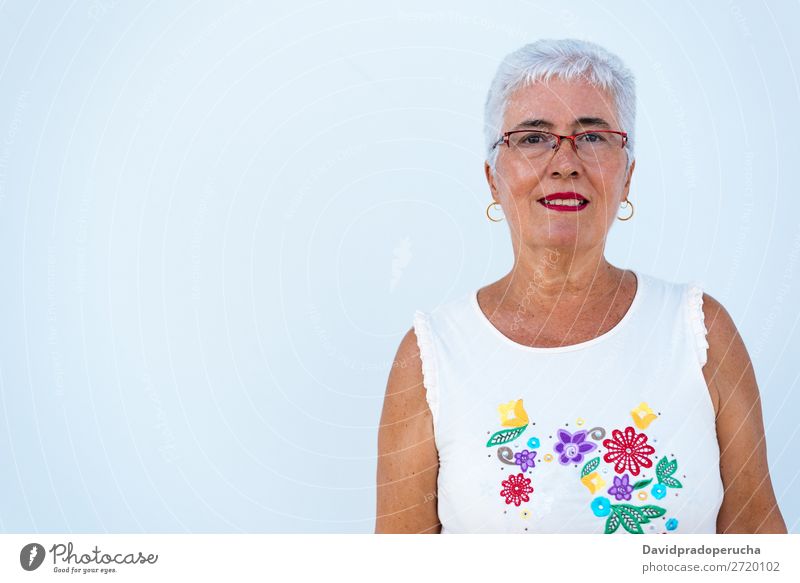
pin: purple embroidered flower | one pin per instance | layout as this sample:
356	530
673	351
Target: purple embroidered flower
524	459
571	447
621	489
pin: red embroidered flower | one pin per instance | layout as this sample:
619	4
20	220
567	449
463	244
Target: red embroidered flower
628	451
516	489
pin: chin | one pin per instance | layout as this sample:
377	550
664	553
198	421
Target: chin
560	236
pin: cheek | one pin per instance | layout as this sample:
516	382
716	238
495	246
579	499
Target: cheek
518	180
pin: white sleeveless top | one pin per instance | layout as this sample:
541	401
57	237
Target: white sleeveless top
613	435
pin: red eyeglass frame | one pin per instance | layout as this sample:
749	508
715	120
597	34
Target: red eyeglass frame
504	139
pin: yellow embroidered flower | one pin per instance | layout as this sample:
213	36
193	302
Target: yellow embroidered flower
593	481
642	495
548	457
512	414
643	416
580	421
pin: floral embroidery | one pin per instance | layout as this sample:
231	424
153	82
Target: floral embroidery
505	436
643	416
590	466
516	489
621	489
597	433
524	459
601	506
514	416
631	517
658	491
572	447
664	471
505	455
628	451
593	481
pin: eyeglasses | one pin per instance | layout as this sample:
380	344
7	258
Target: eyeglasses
594	146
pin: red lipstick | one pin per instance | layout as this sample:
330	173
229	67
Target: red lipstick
565	203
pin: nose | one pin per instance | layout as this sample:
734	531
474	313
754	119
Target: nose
565	161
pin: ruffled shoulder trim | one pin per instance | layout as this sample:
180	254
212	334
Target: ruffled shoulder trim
697	321
427	353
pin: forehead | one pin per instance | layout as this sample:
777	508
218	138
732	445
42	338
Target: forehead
560	102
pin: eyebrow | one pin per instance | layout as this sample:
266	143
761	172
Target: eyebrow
582	121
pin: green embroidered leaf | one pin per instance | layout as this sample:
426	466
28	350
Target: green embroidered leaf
661	468
590	466
665	468
612	524
640	516
652	511
671	482
505	436
642	483
629	520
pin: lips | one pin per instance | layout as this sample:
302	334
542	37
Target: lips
564	202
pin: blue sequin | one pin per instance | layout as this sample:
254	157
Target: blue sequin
672	524
601	506
533	442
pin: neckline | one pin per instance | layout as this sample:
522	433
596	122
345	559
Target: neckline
637	299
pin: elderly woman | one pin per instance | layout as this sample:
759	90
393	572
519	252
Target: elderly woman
571	395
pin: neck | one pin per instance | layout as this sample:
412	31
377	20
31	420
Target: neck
555	274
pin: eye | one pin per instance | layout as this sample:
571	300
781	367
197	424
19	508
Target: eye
532	139
592	137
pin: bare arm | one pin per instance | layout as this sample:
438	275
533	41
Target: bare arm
408	462
749	505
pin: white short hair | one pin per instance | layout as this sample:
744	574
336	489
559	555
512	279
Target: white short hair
567	59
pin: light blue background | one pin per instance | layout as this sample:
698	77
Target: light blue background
218	218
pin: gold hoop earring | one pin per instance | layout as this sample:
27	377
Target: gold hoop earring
626	202
490	216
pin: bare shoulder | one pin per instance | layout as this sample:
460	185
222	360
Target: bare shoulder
408	461
727	355
406	374
749	504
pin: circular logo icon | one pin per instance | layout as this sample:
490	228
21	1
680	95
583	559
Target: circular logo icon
31	556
